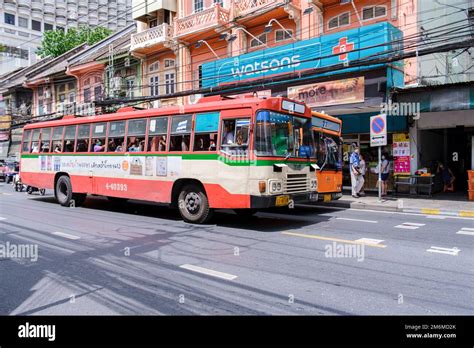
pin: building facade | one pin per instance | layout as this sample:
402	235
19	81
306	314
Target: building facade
23	22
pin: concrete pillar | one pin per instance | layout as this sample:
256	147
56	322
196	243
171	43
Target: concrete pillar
414	147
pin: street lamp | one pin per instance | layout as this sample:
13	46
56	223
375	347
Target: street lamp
268	28
232	37
199	44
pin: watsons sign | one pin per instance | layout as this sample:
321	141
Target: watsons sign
301	55
258	68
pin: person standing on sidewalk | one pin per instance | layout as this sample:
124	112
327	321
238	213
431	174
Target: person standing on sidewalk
363	170
385	173
354	162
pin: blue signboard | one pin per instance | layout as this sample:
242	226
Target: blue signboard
301	55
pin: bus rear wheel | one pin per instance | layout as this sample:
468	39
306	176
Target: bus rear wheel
64	194
193	205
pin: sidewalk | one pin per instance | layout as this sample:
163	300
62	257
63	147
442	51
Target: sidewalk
436	205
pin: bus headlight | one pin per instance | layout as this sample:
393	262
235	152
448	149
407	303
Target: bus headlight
313	185
275	186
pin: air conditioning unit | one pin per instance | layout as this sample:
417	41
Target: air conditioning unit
156	104
47	94
194	98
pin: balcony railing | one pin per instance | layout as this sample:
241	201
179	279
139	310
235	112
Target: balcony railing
211	17
246	7
152	36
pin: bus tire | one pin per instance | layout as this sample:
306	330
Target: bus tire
246	213
193	205
65	196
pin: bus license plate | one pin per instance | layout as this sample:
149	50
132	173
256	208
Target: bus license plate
327	198
282	201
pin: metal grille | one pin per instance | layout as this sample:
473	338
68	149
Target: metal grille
296	183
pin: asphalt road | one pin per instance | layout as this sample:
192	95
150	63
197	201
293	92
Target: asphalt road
142	259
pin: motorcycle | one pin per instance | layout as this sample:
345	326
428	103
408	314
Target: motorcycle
31	189
19	187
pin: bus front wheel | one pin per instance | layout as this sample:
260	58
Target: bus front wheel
193	205
64	194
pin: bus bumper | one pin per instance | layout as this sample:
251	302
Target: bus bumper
327	197
262	202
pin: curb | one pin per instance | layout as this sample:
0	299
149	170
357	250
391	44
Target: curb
424	211
429	211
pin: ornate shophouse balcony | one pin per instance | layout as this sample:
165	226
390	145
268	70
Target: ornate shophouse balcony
196	23
151	39
253	8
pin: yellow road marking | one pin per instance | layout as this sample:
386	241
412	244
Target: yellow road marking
430	211
466	213
333	239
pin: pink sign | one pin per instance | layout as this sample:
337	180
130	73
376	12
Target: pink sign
401	165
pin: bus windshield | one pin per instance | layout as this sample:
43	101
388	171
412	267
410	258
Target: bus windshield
283	135
329	151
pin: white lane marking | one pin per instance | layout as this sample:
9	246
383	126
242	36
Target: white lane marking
6	194
440	250
436	217
466	230
348	219
65	235
2	218
381	211
410	225
369	241
210	272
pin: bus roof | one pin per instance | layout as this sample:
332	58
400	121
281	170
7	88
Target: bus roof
206	104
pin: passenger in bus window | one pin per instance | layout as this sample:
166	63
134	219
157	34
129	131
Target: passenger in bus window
35	147
45	147
82	145
98	147
184	144
212	145
111	145
120	147
162	144
69	146
57	148
229	133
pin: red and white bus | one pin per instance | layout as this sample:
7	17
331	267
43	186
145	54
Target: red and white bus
242	153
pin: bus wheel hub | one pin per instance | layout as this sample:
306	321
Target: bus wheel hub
192	201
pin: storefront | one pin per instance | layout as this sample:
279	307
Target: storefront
444	130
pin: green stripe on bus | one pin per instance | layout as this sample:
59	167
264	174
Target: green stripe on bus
197	156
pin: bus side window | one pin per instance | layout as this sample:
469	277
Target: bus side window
69	137
180	133
157	134
45	139
58	139
83	133
35	141
136	135
116	138
206	127
235	136
25	147
98	137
